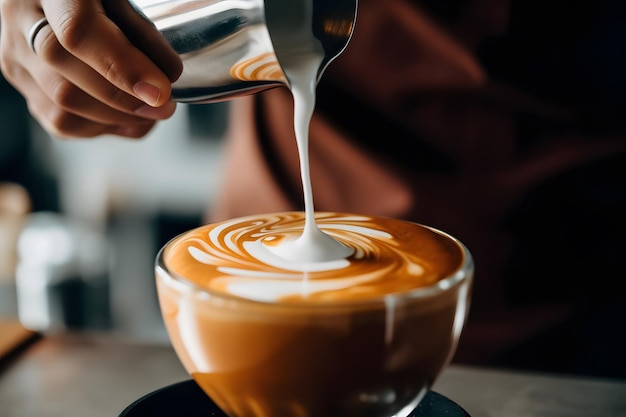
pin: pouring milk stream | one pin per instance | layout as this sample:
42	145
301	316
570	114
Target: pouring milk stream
302	58
230	48
313	245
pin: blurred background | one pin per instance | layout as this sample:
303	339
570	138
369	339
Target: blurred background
82	220
546	133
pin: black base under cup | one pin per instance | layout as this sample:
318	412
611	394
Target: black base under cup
186	399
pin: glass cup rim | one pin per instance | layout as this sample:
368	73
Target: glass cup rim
463	272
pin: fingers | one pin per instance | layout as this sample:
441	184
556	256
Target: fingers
80	75
86	77
63	123
84	30
142	34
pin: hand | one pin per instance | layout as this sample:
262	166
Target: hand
87	76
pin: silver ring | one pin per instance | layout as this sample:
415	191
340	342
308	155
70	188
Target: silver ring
34	30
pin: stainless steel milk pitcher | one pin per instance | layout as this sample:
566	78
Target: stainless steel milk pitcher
235	47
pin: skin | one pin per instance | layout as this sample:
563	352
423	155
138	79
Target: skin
99	67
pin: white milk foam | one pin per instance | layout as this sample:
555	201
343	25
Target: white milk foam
302	72
243	257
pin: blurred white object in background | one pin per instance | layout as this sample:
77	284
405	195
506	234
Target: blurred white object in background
117	187
168	170
61	268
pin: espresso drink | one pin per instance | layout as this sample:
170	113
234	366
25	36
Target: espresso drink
364	335
309	314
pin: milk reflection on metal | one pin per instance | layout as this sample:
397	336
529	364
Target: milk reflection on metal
217	40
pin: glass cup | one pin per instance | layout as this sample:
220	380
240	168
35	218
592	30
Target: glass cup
371	356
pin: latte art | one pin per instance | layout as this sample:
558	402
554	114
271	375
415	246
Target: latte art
312	313
242	257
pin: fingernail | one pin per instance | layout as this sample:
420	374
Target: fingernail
147	92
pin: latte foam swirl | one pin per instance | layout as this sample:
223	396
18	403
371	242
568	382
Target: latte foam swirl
240	257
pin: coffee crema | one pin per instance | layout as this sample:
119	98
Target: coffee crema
241	257
265	336
311	314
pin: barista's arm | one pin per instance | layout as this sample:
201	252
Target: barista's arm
85	77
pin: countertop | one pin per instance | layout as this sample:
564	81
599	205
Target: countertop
98	375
